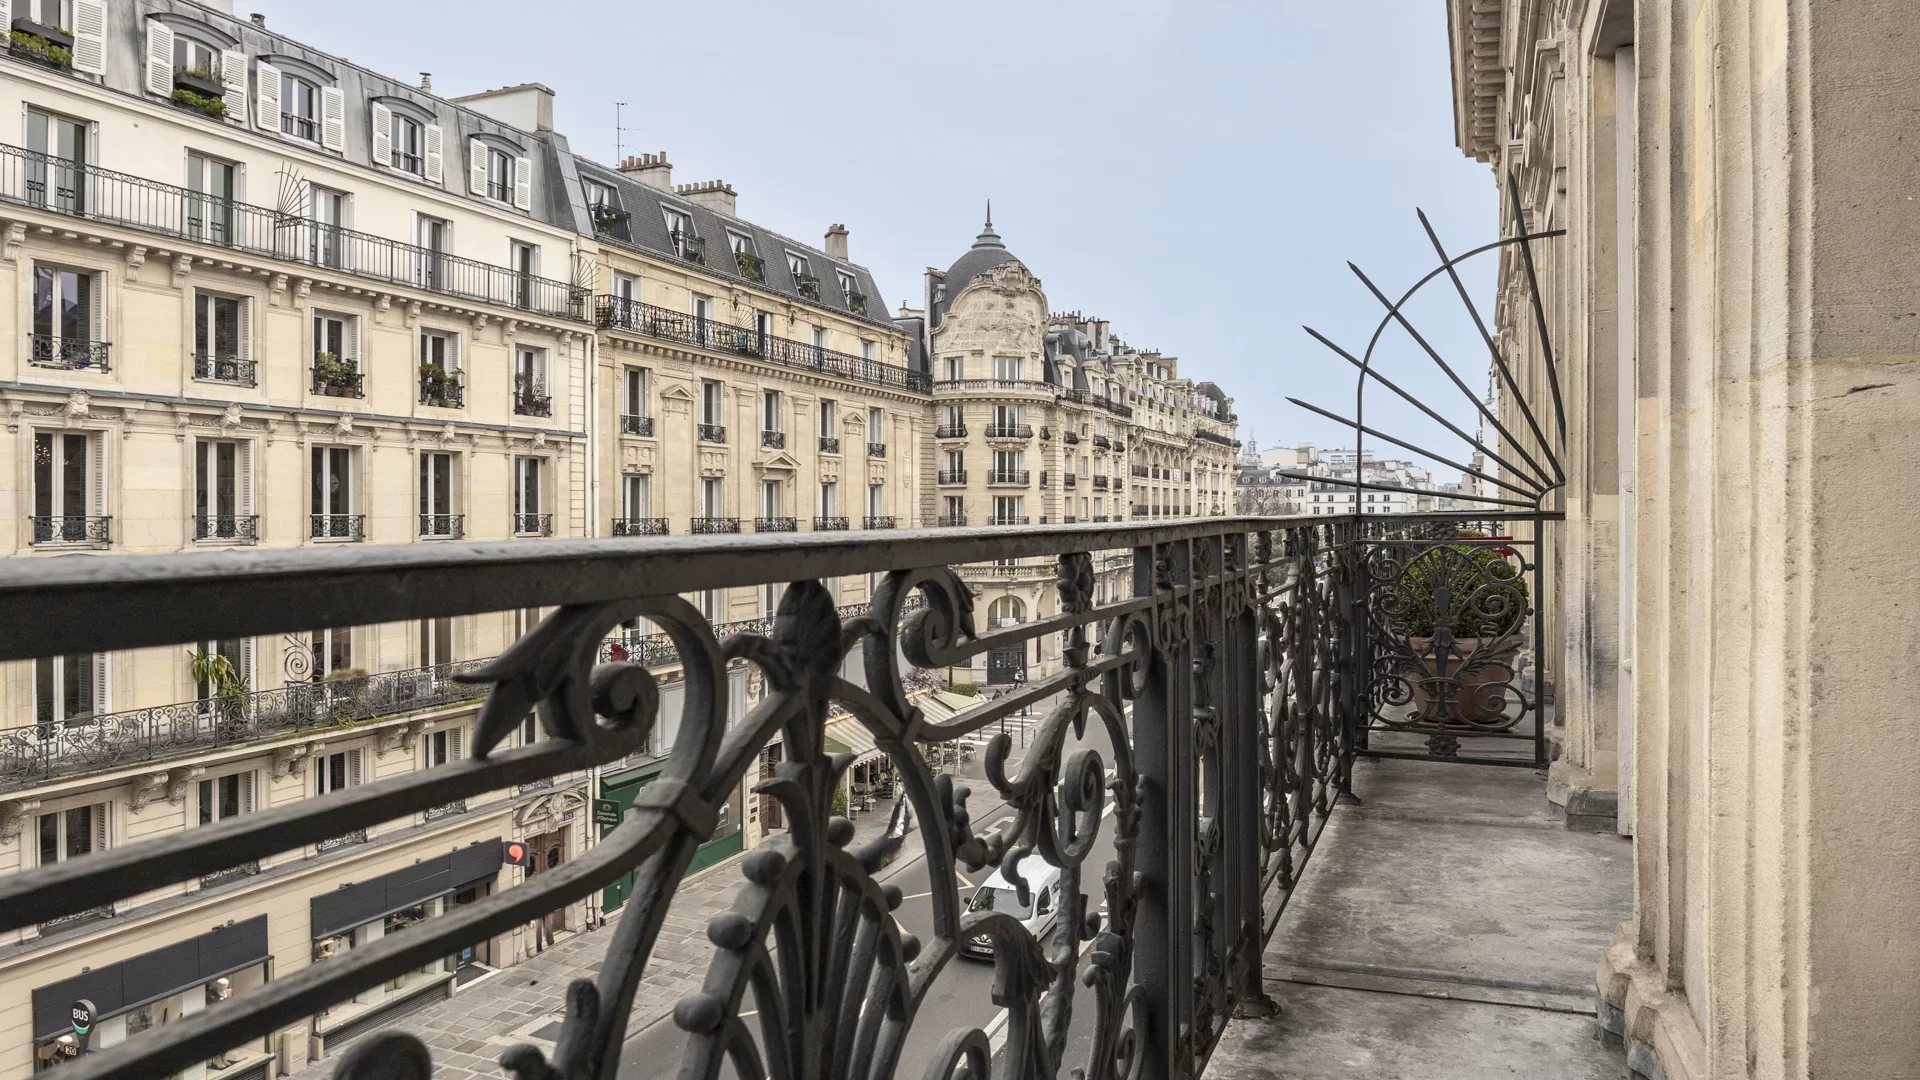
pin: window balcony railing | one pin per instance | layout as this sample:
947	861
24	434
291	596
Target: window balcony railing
713	433
950	431
336	378
71	529
876	449
829	445
967	387
67	354
443	526
1009	431
1009	478
953	476
44	182
1102	442
337	527
640	526
532	524
444	810
1100	483
631	424
227	528
708	526
773	440
829	524
949	521
631	316
1142	472
233	370
1101	517
1070	438
442	391
532	404
774	524
881	521
1007	519
1068	480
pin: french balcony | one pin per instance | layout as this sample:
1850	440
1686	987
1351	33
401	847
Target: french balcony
227	528
948	521
1007	519
882	521
1009	431
1009	478
773	440
71	530
829	445
67	353
1101	483
441	389
1069	480
532	524
442	526
713	526
232	370
631	424
829	524
1070	438
666	324
349	528
1101	442
532	403
713	433
333	377
1030	389
774	524
876	449
640	526
952	477
950	431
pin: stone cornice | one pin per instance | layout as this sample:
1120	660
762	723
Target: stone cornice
614	342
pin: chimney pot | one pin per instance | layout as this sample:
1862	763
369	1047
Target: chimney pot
836	245
652	170
716	195
259	20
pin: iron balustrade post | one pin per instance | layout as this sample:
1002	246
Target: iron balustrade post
1238	681
1163	920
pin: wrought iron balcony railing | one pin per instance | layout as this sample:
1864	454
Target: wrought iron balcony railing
631	424
1009	431
1234	684
71	529
442	391
1010	478
337	378
876	449
713	433
532	524
645	526
443	526
1007	519
337	526
774	524
708	526
881	521
829	445
773	440
632	316
1102	442
532	404
43	182
950	431
1069	480
1100	483
953	476
223	369
829	524
949	521
229	528
69	354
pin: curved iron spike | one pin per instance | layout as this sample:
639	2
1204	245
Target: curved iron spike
1468	469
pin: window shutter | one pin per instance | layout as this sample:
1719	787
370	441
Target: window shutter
99	494
246	662
353	768
233	75
453	744
101	685
333	118
100	825
244	320
266	110
382	135
436	153
90	36
350	338
159	58
522	182
476	166
243	464
98	317
246	792
453	352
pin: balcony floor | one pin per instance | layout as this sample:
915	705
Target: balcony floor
1447	928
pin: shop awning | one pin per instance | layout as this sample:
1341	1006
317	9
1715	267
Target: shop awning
846	735
941	706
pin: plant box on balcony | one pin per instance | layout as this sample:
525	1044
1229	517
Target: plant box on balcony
203	85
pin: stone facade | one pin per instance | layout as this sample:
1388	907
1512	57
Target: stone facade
1731	315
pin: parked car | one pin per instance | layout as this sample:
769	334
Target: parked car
998	894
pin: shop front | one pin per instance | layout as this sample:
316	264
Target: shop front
616	798
110	1004
357	915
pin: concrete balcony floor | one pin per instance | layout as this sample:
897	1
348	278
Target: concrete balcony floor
1447	928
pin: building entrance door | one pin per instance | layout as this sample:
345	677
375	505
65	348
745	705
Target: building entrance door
548	851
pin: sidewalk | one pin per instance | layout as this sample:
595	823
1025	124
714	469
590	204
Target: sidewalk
523	1004
1448	928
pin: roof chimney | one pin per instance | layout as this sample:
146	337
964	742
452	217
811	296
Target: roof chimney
837	241
527	106
259	20
652	170
715	195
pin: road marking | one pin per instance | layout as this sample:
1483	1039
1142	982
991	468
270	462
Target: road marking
915	896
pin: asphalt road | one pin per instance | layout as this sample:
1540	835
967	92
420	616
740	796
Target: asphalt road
961	993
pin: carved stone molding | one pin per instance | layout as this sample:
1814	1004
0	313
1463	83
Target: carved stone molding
713	463
136	258
182	267
637	458
16	239
13	814
401	737
291	760
147	789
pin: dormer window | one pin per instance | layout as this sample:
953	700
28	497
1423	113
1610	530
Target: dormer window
850	288
299	107
196	58
803	279
680	235
744	258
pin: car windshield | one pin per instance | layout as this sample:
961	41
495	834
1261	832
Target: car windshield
1004	901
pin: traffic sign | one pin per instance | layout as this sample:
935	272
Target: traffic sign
607	814
514	853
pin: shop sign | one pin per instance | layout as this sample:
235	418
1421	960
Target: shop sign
607	814
82	1012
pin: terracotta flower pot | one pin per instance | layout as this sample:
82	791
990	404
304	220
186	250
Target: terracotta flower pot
1469	665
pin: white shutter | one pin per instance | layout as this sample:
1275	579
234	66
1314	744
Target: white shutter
333	118
522	182
453	352
98	446
159	59
350	338
382	135
436	153
266	110
233	76
245	319
98	317
101	685
100	825
246	792
246	662
89	36
453	744
353	768
476	166
243	483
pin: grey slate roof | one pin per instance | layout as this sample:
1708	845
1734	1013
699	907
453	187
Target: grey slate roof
647	227
986	253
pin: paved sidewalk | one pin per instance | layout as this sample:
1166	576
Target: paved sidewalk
1447	928
522	1004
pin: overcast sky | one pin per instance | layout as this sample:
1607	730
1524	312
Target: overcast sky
1196	171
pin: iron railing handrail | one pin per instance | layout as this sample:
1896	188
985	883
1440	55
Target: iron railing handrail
633	316
46	182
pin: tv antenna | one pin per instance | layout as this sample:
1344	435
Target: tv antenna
619	148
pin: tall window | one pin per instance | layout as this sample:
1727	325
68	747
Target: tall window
956	417
770	411
626	289
409	145
332	503
527	496
332	651
499	175
525	260
956	508
634	393
770	498
877	427
952	368
829	417
66	487
1010	510
222	490
56	177
436	642
822	338
210	211
69	834
713	404
713	497
67	688
1006	463
956	463
876	500
679	231
335	337
226	796
66	315
440	369
443	746
530	394
1006	416
435	238
830	500
336	771
237	652
1007	368
299	107
436	495
636	494
220	333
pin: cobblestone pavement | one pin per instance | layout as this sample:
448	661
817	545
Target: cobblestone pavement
522	1004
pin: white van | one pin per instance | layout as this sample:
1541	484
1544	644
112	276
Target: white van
998	894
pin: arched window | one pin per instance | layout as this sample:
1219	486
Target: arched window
1006	611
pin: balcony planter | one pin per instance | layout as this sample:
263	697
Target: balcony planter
335	377
749	264
214	106
1473	659
203	83
45	44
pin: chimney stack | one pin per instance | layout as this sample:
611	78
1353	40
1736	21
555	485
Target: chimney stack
653	170
837	241
259	20
715	195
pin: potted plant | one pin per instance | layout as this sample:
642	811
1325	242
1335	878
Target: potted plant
212	105
220	684
201	81
333	371
1458	609
47	44
438	383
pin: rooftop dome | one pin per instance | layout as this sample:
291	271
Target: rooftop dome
986	253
